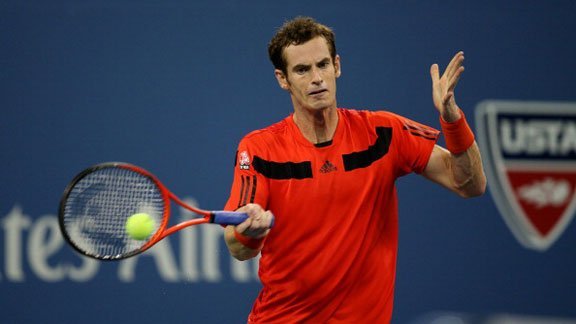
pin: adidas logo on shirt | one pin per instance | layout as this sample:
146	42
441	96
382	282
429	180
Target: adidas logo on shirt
328	167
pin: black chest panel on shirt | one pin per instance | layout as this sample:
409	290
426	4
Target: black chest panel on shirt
351	161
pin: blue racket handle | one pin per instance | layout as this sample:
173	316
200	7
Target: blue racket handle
223	217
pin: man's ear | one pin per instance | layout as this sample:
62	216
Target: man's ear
282	80
337	66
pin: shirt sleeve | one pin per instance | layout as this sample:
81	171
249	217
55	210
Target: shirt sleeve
248	186
414	144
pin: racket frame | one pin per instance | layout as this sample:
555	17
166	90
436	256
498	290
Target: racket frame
161	232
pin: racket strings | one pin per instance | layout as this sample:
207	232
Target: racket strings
99	204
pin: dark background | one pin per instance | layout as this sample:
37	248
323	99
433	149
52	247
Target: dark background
172	86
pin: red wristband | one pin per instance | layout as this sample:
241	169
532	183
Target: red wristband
458	135
249	242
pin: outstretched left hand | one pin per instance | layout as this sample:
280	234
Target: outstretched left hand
443	87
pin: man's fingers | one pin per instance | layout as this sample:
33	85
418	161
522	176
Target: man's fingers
434	72
241	228
455	78
258	222
454	64
262	220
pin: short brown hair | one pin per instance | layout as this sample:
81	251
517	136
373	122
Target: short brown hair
295	32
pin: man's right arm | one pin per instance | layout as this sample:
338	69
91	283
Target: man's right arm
246	240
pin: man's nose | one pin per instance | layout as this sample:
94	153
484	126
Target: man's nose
316	76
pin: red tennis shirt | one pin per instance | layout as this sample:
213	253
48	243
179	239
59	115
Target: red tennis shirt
331	256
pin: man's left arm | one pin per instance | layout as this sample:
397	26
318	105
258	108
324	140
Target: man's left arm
459	166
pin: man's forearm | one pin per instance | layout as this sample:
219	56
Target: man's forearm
468	172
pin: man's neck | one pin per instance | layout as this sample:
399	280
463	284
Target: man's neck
317	126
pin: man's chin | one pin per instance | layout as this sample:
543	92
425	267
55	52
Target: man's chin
322	105
318	105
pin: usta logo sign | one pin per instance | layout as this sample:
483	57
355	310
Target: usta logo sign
529	152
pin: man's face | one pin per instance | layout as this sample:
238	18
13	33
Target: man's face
310	75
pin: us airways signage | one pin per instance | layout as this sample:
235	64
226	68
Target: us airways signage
34	249
529	152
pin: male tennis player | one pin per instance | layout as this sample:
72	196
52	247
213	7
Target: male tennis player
328	175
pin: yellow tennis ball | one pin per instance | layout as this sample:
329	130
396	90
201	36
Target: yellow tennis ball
139	226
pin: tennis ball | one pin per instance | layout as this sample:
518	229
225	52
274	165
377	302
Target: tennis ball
139	226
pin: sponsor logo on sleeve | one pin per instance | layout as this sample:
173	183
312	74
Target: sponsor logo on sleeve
244	160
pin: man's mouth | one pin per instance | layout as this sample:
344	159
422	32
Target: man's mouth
315	92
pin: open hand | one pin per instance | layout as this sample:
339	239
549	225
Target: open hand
443	87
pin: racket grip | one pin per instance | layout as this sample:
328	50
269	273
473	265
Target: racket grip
223	217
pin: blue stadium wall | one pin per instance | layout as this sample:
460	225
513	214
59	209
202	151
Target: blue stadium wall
172	86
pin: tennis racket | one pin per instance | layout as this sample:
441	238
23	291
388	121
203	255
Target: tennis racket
99	200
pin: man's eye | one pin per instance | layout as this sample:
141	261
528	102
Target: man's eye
301	70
